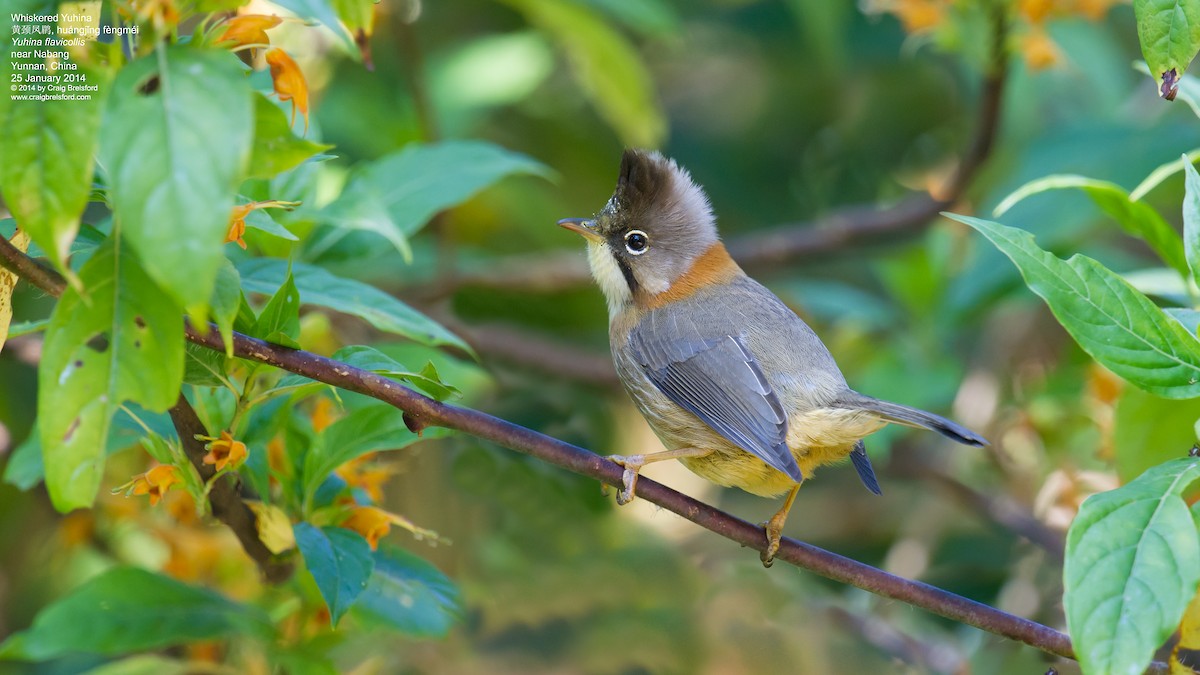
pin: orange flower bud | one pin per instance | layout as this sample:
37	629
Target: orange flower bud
249	30
226	452
289	82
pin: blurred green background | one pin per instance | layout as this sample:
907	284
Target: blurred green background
785	111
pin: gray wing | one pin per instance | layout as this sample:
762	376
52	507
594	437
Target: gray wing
718	380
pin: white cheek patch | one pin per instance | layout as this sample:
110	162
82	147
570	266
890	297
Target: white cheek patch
608	276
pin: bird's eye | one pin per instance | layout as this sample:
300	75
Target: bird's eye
636	242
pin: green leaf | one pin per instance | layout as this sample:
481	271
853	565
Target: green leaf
410	595
319	287
1134	217
1132	566
1188	318
357	15
1109	319
203	367
175	142
1149	430
127	609
607	67
144	664
1191	219
396	195
226	301
46	161
340	562
25	469
262	221
27	327
370	429
280	319
322	11
123	342
1169	31
276	149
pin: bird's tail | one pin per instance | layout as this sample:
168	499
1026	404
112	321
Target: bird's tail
902	414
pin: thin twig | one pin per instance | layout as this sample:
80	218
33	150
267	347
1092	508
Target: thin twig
422	412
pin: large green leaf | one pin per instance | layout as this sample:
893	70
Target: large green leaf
1169	31
396	195
606	65
1134	217
319	287
47	151
122	342
378	427
340	562
175	143
128	609
1191	218
276	148
1110	319
1132	566
410	595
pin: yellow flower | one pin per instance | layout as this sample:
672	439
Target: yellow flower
289	82
249	30
154	482
225	452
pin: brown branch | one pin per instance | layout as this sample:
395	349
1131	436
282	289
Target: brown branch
223	497
421	412
762	250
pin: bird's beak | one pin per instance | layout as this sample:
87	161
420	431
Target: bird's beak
583	226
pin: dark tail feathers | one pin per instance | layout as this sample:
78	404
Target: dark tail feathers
902	414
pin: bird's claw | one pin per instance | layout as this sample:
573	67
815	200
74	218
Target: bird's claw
774	532
632	464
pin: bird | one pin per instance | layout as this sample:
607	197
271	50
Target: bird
736	386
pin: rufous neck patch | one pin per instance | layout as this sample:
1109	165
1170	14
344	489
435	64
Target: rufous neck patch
714	266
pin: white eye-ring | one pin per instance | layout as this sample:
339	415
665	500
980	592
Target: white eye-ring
636	242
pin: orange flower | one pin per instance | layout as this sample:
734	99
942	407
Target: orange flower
1035	10
225	452
918	16
289	82
154	482
373	523
249	30
1039	49
322	414
237	218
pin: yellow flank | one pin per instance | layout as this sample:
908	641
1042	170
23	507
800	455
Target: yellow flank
816	437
